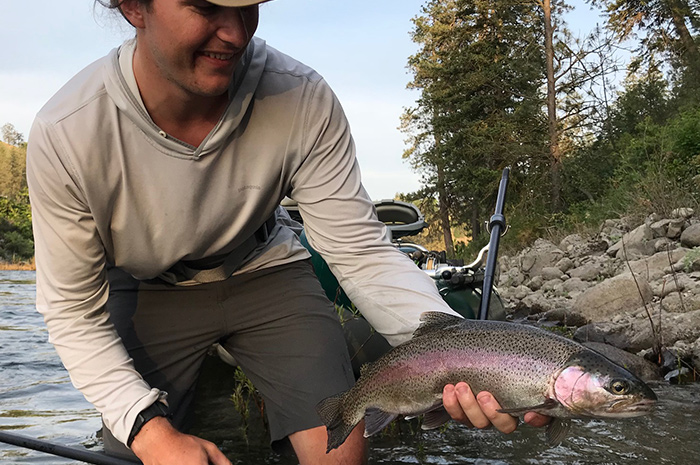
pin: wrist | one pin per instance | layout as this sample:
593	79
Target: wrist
157	411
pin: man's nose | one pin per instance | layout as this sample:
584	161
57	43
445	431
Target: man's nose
232	26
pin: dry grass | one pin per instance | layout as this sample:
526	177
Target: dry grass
18	266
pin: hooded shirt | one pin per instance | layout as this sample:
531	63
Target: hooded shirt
109	187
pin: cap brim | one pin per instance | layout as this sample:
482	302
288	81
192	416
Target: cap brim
236	3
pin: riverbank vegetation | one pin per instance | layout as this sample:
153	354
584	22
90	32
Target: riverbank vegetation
16	241
592	127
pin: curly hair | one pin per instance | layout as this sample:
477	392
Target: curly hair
117	5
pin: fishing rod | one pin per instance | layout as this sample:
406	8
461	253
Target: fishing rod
497	227
75	453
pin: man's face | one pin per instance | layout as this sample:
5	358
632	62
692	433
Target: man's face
193	44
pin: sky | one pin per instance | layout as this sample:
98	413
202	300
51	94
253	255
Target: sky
361	48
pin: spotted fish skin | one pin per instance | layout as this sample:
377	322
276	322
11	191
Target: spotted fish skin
525	368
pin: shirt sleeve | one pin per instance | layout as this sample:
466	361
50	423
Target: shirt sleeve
72	288
341	224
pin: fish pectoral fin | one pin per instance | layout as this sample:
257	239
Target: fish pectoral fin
376	420
435	418
557	430
546	405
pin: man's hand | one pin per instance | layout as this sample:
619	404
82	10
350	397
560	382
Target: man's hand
158	443
481	411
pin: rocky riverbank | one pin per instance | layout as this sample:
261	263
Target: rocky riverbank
633	286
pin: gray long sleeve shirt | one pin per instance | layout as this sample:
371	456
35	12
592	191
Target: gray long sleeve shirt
108	186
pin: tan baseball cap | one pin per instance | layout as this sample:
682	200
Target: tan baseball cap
236	2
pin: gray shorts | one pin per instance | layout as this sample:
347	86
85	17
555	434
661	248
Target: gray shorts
278	324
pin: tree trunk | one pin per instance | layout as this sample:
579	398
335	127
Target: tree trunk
476	223
444	212
554	149
690	53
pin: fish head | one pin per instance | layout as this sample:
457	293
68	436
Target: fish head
590	385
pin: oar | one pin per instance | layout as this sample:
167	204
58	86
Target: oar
497	226
75	453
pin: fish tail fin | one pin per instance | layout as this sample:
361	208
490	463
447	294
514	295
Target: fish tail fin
331	411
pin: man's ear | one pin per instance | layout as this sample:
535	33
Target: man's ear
132	10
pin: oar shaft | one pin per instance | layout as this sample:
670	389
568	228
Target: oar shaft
84	455
497	225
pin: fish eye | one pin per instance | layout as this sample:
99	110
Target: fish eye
619	387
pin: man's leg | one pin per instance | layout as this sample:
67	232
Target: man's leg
167	330
287	337
310	447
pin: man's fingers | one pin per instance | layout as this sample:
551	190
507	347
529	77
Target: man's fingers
536	419
216	457
463	407
502	421
452	405
480	411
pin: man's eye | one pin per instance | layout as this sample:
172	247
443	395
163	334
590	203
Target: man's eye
206	8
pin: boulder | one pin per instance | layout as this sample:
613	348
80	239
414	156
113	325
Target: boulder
654	267
636	242
573	287
660	228
543	253
691	236
551	272
613	296
675	228
682	212
590	271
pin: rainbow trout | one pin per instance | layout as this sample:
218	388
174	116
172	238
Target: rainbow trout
525	368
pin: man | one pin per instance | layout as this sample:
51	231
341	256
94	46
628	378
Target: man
155	177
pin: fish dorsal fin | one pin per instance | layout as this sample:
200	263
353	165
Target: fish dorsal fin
434	321
363	368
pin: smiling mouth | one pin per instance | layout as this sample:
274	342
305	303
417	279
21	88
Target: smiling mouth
219	56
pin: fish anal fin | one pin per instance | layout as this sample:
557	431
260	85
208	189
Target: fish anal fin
557	430
435	418
376	420
434	321
546	405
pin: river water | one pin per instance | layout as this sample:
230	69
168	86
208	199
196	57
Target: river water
38	400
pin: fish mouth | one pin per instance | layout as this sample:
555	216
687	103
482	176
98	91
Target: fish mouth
625	408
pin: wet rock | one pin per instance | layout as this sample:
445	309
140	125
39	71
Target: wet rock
565	317
615	334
